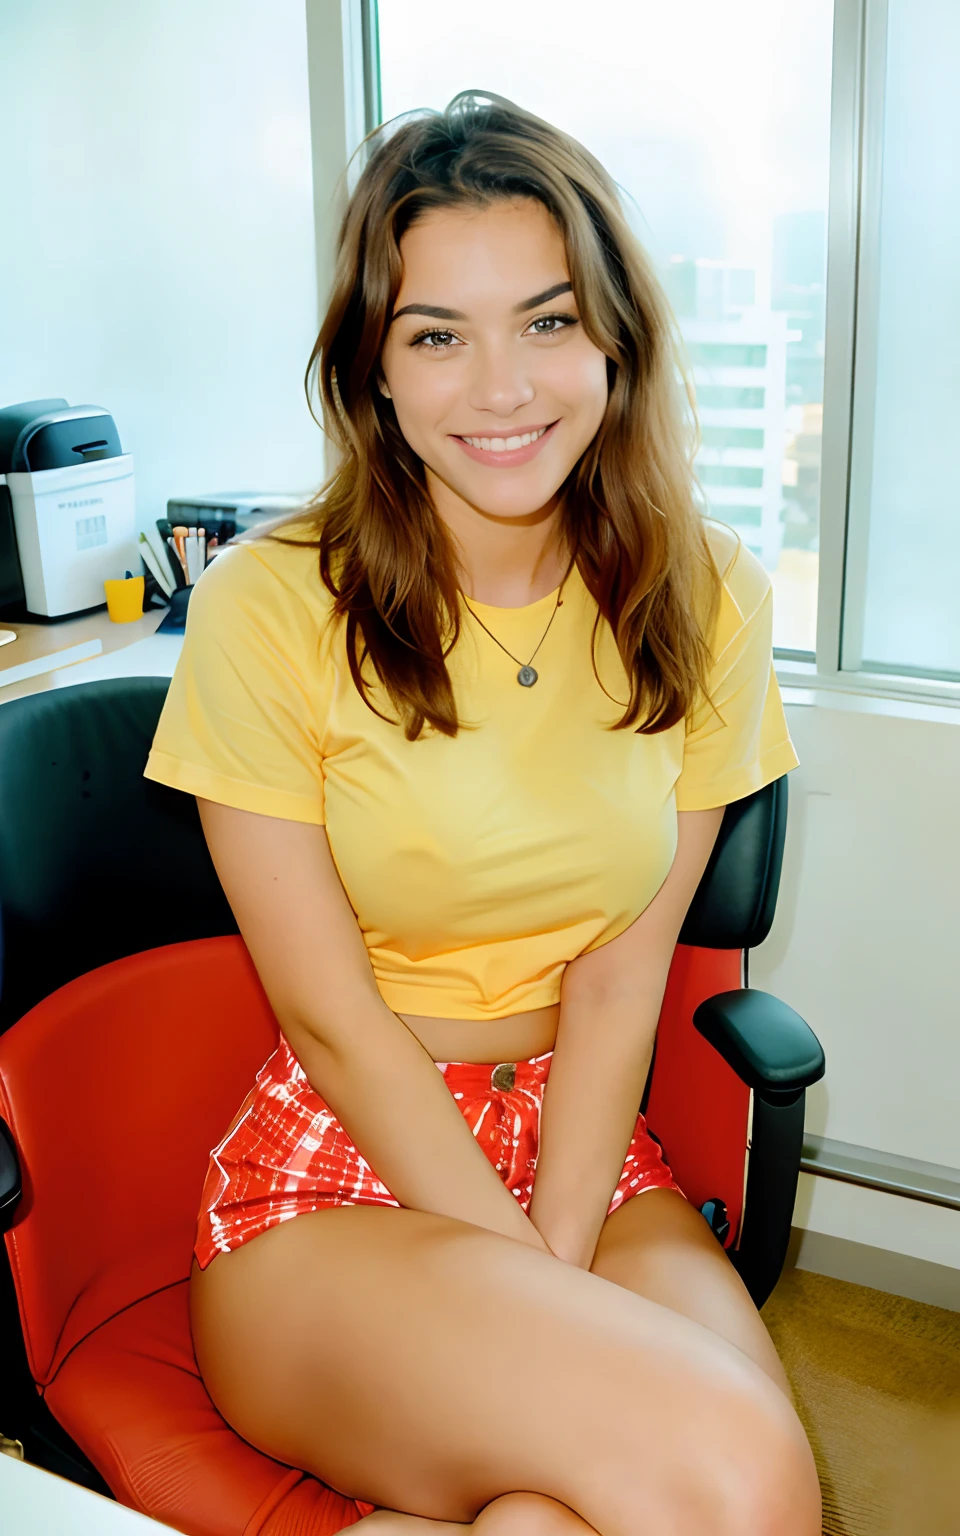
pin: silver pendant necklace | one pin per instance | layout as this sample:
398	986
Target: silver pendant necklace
528	674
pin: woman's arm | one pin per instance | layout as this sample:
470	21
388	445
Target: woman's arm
609	1007
282	884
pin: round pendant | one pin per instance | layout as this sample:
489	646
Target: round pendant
527	676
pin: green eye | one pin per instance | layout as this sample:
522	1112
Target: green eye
549	325
434	341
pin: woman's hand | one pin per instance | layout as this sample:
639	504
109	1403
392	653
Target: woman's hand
578	1253
610	1005
302	934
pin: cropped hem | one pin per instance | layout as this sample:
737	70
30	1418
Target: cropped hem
241	796
430	1002
745	781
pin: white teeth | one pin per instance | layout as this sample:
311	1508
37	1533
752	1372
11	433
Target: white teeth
505	444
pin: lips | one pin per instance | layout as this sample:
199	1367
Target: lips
503	457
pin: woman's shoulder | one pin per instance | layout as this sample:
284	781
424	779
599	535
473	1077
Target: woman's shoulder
745	581
271	578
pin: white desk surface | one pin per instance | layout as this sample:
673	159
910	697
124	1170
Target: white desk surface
128	650
35	1503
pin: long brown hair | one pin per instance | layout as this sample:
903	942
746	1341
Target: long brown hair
629	505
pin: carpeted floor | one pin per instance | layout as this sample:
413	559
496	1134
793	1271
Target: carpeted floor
877	1384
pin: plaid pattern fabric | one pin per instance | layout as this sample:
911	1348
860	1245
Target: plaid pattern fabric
287	1152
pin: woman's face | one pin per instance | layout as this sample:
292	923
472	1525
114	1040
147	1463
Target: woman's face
496	386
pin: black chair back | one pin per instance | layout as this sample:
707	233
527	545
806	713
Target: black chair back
734	904
97	862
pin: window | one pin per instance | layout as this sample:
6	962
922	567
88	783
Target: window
739	134
902	610
723	151
734	356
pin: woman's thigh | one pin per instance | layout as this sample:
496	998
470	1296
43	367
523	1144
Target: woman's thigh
659	1246
429	1365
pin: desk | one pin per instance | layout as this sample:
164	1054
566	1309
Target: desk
124	653
35	1503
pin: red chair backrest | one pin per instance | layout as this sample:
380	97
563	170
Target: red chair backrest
698	1107
116	1087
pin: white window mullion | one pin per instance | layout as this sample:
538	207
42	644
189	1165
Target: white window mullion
842	242
874	56
338	122
370	43
354	84
338	115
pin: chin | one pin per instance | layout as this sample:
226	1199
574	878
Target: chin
509	504
505	493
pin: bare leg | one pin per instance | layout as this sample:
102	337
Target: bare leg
513	1514
431	1367
659	1246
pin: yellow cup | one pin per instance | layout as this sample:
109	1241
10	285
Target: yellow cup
125	599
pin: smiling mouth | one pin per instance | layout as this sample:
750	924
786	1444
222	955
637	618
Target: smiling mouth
505	444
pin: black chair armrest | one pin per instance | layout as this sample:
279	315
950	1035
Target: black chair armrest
767	1044
10	1186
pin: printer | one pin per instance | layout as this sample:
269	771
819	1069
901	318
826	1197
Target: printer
67	515
233	512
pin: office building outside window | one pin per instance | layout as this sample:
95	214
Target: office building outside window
722	152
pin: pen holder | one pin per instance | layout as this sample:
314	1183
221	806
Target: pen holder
124	599
175	619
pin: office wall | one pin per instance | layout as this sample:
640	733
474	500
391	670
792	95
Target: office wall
157	254
158	236
865	947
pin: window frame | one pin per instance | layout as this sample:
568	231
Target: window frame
850	361
852	285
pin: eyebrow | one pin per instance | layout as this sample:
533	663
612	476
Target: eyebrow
434	312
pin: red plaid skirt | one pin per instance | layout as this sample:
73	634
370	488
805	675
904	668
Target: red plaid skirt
287	1153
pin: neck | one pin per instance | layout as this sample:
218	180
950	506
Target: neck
505	561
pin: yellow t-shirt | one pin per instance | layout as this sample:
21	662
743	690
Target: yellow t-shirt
477	865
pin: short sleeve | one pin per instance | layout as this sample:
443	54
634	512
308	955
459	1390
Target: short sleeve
242	719
742	742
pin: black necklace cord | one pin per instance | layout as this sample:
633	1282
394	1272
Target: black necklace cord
525	666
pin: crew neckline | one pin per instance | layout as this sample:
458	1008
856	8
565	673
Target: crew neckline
541	602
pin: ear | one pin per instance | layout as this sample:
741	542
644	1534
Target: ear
382	386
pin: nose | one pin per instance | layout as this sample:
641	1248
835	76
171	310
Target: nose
500	381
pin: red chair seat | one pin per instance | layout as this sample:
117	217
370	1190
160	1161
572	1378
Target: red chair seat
116	1086
131	1397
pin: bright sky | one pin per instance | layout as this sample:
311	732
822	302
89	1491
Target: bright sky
715	116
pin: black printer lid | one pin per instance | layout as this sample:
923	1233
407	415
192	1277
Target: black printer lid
63	438
13	419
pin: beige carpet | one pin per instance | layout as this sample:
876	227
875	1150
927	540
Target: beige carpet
877	1384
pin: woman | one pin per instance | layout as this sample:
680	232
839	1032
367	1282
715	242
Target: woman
461	740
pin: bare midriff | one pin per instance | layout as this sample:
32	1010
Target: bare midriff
514	1038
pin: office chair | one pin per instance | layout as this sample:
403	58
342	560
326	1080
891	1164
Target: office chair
140	1025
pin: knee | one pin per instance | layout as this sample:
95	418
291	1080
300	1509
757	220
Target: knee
743	1464
527	1514
771	1486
